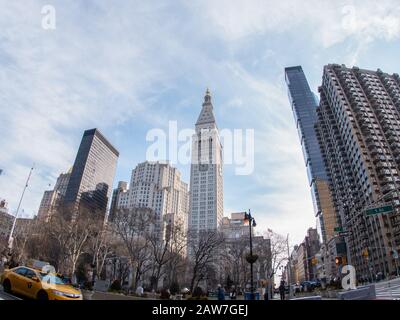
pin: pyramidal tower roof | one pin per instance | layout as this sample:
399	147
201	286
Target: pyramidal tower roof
206	114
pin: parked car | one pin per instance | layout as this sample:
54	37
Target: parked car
308	285
297	287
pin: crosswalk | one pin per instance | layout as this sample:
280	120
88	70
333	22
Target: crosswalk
388	292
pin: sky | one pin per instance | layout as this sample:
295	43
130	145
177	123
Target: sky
127	67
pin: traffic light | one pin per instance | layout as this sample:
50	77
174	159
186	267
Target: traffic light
338	260
314	261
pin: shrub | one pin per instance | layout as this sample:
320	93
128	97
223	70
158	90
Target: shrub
198	294
88	285
174	288
165	294
116	286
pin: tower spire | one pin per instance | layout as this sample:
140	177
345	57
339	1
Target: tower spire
206	114
207	97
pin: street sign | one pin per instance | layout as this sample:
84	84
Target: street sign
379	210
344	233
338	229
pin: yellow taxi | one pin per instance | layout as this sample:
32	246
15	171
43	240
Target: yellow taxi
38	285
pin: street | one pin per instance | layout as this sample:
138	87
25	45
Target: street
6	296
388	290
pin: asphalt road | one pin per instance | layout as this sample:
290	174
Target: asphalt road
6	296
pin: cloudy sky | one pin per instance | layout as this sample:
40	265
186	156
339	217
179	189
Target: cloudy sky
126	67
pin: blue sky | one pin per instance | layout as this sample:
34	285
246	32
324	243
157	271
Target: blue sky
129	66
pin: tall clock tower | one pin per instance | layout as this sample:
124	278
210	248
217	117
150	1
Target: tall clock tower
206	174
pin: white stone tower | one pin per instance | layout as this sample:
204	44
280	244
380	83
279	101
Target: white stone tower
206	175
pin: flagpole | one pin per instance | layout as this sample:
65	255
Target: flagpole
10	239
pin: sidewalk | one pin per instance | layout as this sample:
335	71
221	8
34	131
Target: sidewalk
98	295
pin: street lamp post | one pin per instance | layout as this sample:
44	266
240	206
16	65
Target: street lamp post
289	267
10	238
251	258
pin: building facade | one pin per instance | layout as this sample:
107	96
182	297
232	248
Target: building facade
92	175
206	174
6	222
158	186
53	199
121	189
359	132
304	106
313	247
305	260
235	226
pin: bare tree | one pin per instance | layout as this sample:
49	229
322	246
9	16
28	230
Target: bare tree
178	251
72	236
168	251
203	248
272	256
22	235
101	246
133	226
234	261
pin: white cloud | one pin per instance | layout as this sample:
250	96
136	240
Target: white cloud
328	22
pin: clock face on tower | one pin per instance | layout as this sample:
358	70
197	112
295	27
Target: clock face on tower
203	167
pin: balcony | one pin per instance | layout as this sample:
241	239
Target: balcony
386	125
380	164
374	150
388	187
396	150
382	173
386	179
393	139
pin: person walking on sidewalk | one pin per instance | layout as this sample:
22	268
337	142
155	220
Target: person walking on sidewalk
282	290
221	293
233	293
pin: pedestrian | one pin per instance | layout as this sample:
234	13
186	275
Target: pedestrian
282	290
233	293
266	296
220	293
139	291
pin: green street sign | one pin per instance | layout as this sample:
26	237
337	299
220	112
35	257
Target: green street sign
379	210
338	229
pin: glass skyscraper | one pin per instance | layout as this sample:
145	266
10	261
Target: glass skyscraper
304	105
92	175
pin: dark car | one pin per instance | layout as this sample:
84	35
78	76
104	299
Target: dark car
308	286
